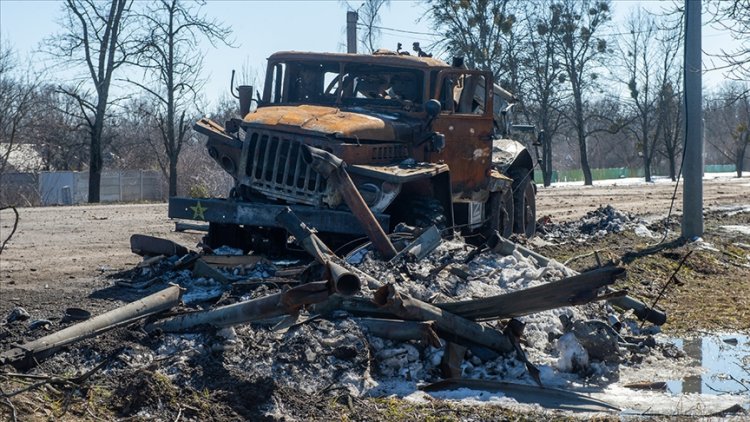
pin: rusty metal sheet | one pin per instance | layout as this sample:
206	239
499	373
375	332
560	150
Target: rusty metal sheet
325	120
379	59
397	173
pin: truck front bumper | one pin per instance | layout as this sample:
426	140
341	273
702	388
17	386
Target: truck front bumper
227	211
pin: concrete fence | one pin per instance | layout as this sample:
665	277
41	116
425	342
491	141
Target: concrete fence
71	187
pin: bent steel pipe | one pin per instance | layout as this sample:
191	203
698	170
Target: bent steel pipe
344	282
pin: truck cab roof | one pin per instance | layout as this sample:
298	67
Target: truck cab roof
382	57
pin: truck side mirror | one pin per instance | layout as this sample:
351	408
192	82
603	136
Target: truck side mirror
432	107
246	97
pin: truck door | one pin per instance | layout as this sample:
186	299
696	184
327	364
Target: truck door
467	125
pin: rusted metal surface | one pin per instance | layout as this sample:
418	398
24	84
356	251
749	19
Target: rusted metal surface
642	311
28	354
576	290
449	325
377	113
287	302
343	280
387	60
334	170
468	146
421	331
325	120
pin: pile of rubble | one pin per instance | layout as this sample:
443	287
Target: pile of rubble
440	314
594	224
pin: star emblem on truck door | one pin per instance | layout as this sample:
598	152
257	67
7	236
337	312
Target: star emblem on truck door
198	211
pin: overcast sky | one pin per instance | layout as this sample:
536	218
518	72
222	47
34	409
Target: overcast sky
263	27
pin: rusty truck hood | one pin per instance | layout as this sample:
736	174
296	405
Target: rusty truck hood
357	123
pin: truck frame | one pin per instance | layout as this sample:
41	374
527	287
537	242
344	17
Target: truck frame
425	143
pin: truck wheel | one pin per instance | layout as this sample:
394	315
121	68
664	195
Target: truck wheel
501	212
524	203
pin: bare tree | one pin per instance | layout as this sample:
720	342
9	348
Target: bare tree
669	106
576	25
17	97
94	36
542	88
476	30
58	131
727	116
369	19
733	16
173	64
639	58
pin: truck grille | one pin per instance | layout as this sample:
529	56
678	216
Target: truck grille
275	168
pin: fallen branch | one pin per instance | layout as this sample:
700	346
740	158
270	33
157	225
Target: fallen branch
13	230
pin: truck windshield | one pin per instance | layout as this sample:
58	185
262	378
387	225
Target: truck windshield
350	84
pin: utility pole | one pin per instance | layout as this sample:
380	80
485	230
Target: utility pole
351	32
692	189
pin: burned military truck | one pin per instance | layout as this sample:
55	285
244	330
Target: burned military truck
424	142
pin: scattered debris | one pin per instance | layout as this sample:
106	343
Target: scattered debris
28	354
143	245
499	318
17	314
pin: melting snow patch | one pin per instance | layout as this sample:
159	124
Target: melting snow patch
737	228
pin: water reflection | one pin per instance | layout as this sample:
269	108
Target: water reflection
725	360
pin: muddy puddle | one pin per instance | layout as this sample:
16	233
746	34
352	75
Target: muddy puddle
723	361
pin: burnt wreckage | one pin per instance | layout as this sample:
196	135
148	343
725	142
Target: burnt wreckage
424	143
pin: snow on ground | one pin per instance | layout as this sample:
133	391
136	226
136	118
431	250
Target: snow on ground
633	181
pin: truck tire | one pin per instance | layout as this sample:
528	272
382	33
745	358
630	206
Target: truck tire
524	203
501	212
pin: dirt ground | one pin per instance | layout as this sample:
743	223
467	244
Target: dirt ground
59	255
66	247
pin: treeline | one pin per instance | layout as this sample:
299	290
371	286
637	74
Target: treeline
605	95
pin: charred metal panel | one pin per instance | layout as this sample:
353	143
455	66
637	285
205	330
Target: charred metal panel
468	146
264	215
325	120
399	174
272	165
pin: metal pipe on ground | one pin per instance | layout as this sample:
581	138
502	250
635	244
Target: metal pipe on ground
26	355
423	331
576	290
334	169
451	326
504	246
345	276
571	291
283	303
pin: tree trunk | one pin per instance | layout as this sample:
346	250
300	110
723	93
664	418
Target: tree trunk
547	158
741	149
581	131
172	176
647	166
672	166
95	160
